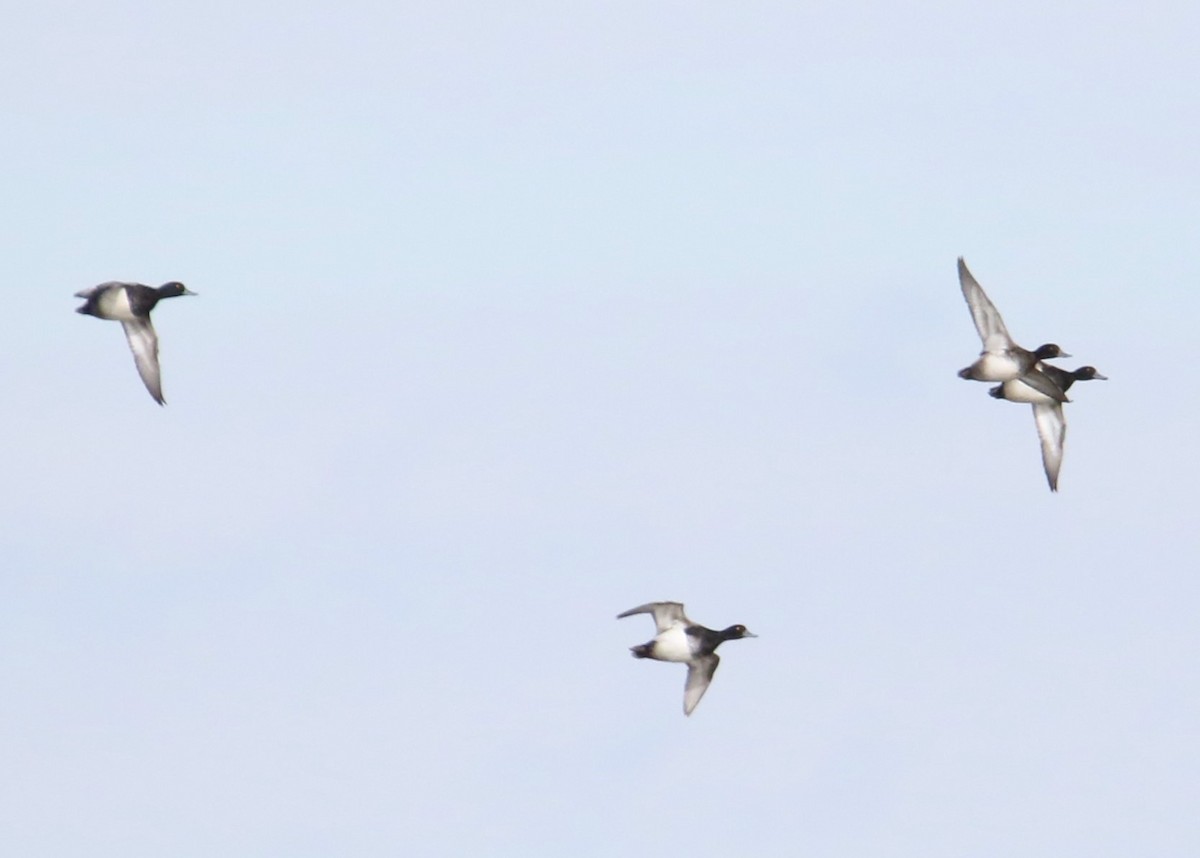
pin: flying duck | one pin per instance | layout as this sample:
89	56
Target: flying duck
679	639
130	304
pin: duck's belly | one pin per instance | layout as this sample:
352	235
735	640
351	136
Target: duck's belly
997	367
673	645
1019	391
114	304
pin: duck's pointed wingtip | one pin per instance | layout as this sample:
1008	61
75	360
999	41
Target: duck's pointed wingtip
965	277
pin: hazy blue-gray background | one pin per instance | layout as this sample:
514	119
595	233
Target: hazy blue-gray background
513	316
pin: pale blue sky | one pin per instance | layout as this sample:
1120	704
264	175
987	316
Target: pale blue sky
514	316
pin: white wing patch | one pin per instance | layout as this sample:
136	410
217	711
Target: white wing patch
666	614
144	344
1052	432
983	312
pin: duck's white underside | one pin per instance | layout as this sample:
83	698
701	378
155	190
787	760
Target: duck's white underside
1019	391
996	367
673	645
114	304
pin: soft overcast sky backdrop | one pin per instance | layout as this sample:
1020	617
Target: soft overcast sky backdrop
512	316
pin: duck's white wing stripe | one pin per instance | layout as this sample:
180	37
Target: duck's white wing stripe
1052	432
666	614
700	674
144	344
983	312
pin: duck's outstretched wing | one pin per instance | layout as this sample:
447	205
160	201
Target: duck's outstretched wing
700	674
1052	432
983	312
143	342
666	615
91	290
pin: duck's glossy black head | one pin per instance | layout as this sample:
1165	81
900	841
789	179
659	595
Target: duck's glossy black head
1049	350
173	290
734	632
1087	373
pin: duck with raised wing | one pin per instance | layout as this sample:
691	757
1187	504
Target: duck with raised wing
1001	358
679	639
130	304
1047	412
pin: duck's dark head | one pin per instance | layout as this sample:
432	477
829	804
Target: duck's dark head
735	632
1088	373
997	392
173	290
1048	351
965	373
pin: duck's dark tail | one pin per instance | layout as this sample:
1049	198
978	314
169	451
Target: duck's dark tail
641	650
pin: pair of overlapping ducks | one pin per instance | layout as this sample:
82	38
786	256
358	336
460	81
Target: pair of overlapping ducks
1024	376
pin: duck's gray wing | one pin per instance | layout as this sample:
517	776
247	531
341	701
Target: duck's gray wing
143	342
983	312
666	614
1052	432
1042	383
700	674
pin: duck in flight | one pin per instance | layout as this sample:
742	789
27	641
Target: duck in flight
1048	412
130	304
1001	358
679	639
